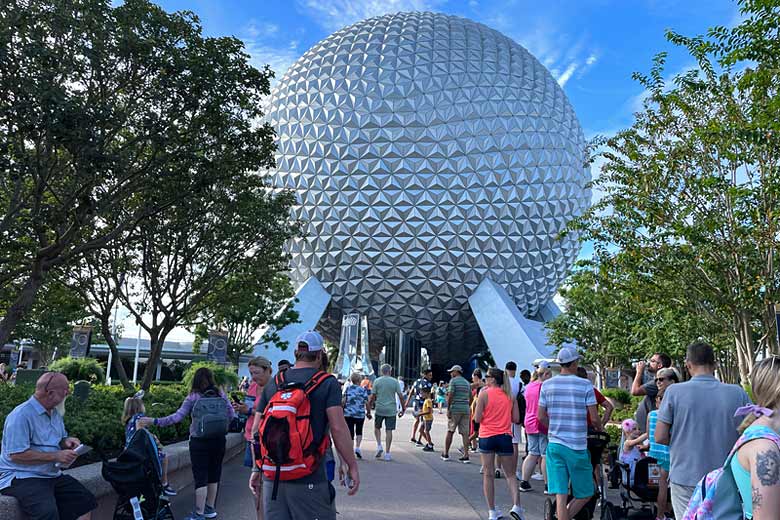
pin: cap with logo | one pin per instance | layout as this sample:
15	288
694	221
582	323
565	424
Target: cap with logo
567	355
309	341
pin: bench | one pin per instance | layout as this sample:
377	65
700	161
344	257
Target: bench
179	475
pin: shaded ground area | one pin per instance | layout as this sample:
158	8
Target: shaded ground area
415	485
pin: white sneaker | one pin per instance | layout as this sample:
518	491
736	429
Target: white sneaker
388	458
518	475
379	452
517	513
481	470
537	476
495	514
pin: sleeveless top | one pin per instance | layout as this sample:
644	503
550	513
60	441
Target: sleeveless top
742	477
497	414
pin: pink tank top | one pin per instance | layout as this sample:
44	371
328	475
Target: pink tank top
497	414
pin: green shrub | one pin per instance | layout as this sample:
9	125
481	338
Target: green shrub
617	394
614	433
98	421
80	369
224	377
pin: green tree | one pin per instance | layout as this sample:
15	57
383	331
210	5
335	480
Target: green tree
692	188
48	326
107	116
250	305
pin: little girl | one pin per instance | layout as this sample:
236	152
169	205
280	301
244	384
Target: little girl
134	410
630	453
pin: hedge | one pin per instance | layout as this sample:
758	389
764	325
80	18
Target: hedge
97	422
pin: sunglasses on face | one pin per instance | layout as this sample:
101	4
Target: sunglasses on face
659	379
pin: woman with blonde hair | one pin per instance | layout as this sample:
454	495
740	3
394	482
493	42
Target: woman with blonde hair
756	466
496	412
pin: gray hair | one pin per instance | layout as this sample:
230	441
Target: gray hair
355	378
385	369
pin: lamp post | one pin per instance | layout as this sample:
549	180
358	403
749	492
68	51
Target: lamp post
137	354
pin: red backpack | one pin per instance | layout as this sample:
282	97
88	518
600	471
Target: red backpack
287	446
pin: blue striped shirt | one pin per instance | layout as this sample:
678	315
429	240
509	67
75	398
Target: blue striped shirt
566	399
659	452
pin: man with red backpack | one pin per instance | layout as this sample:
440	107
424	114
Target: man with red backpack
305	400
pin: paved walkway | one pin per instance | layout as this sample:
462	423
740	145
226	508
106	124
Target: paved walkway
415	485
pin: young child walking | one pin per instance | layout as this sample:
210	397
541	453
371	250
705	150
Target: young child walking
426	413
134	410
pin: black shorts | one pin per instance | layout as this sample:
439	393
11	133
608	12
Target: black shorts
355	425
61	497
206	456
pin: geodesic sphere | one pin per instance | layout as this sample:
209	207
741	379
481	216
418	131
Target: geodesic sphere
428	152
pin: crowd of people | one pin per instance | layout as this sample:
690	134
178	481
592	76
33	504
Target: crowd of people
688	427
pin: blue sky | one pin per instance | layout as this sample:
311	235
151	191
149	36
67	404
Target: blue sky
591	46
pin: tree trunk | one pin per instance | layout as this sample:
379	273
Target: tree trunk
116	359
745	345
156	341
23	302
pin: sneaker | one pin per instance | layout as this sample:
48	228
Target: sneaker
464	460
498	473
481	470
495	514
525	486
209	512
413	440
428	448
445	458
517	513
518	476
547	491
195	516
419	444
168	490
537	476
358	454
379	452
388	458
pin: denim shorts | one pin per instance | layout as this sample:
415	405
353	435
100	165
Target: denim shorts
499	444
537	444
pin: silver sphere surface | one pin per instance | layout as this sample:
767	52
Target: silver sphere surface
428	152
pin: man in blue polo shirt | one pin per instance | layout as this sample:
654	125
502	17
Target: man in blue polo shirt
34	441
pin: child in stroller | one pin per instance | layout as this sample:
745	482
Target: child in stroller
136	475
637	478
134	409
597	441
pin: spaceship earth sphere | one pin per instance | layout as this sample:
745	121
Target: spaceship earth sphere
428	152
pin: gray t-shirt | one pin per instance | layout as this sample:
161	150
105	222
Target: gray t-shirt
703	427
646	406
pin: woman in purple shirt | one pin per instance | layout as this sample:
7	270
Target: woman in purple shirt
205	453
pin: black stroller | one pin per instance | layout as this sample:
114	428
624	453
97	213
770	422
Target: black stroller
136	476
597	441
643	490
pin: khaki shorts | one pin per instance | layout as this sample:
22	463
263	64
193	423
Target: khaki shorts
460	422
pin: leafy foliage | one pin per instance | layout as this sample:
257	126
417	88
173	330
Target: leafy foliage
80	369
224	377
687	232
617	394
97	421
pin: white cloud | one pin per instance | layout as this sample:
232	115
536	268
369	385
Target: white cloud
267	45
563	78
336	14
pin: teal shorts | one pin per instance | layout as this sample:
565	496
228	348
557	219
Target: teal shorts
566	465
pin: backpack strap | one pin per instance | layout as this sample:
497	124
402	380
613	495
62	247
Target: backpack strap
751	436
316	380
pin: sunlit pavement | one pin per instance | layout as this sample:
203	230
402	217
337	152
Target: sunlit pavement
414	485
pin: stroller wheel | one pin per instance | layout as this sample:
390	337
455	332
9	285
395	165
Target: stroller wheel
549	509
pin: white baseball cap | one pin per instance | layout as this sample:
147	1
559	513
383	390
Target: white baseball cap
567	355
311	340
